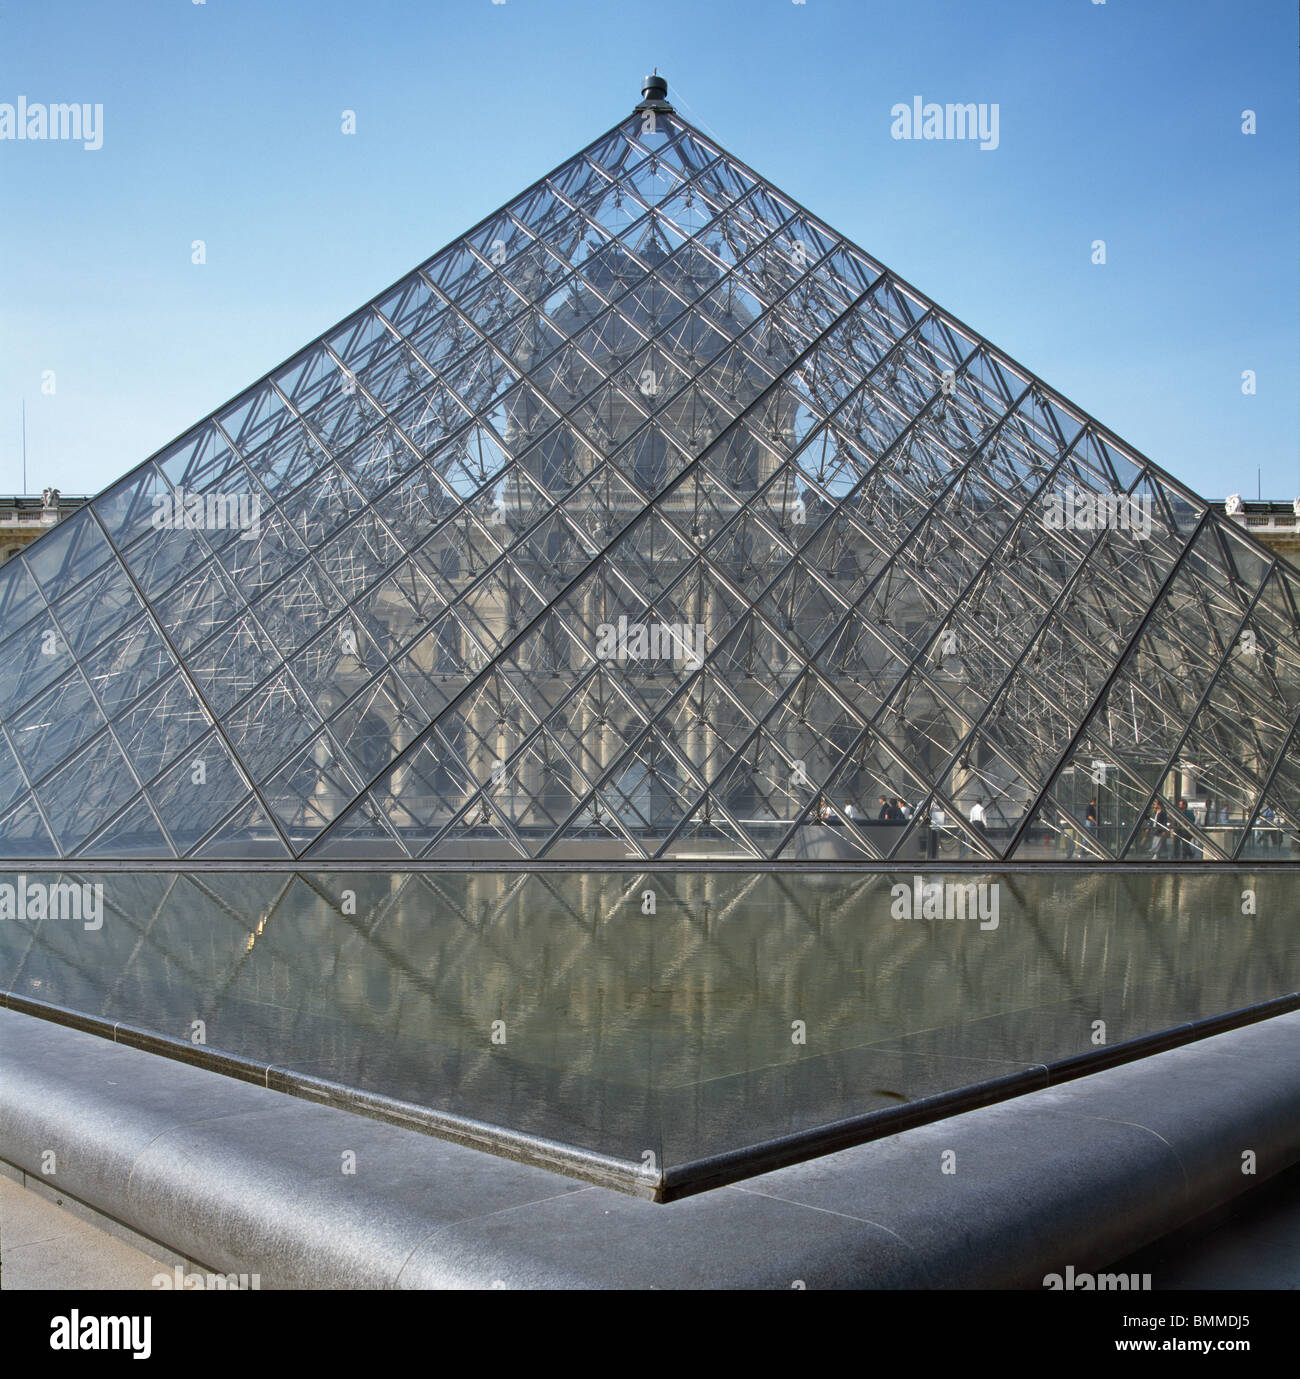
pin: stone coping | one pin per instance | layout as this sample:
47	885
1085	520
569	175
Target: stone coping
244	1179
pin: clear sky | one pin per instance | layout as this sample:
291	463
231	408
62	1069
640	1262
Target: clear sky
222	121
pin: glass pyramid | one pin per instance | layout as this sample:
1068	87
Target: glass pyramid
650	519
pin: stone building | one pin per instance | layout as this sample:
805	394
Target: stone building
23	519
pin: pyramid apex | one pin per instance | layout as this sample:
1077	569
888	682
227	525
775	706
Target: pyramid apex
654	92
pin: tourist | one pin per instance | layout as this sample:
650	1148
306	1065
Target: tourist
1183	847
1159	827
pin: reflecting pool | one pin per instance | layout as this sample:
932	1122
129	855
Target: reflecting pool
657	1019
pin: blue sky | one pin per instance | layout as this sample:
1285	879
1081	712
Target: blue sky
222	122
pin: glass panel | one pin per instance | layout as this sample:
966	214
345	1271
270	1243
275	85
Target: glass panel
11	782
34	657
23	833
194	464
247	833
82	794
1055	835
65	555
200	603
19	596
54	725
228	666
162	555
322	506
256	563
134	833
162	725
298	607
269	724
312	789
99	606
127	509
195	794
378	723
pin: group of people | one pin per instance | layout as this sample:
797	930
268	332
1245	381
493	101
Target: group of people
1161	829
1268	832
1169	831
893	811
1166	830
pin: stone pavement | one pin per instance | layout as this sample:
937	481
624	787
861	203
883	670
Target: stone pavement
45	1246
1256	1245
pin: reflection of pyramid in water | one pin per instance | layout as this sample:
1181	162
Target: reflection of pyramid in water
430	589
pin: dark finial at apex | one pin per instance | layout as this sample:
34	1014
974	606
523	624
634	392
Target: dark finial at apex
654	90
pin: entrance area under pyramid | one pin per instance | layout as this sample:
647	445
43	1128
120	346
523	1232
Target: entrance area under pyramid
650	552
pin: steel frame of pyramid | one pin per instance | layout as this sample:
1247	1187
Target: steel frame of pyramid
370	609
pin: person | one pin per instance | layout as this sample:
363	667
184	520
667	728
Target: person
938	821
978	820
901	812
1183	846
885	811
849	811
1090	819
1159	827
